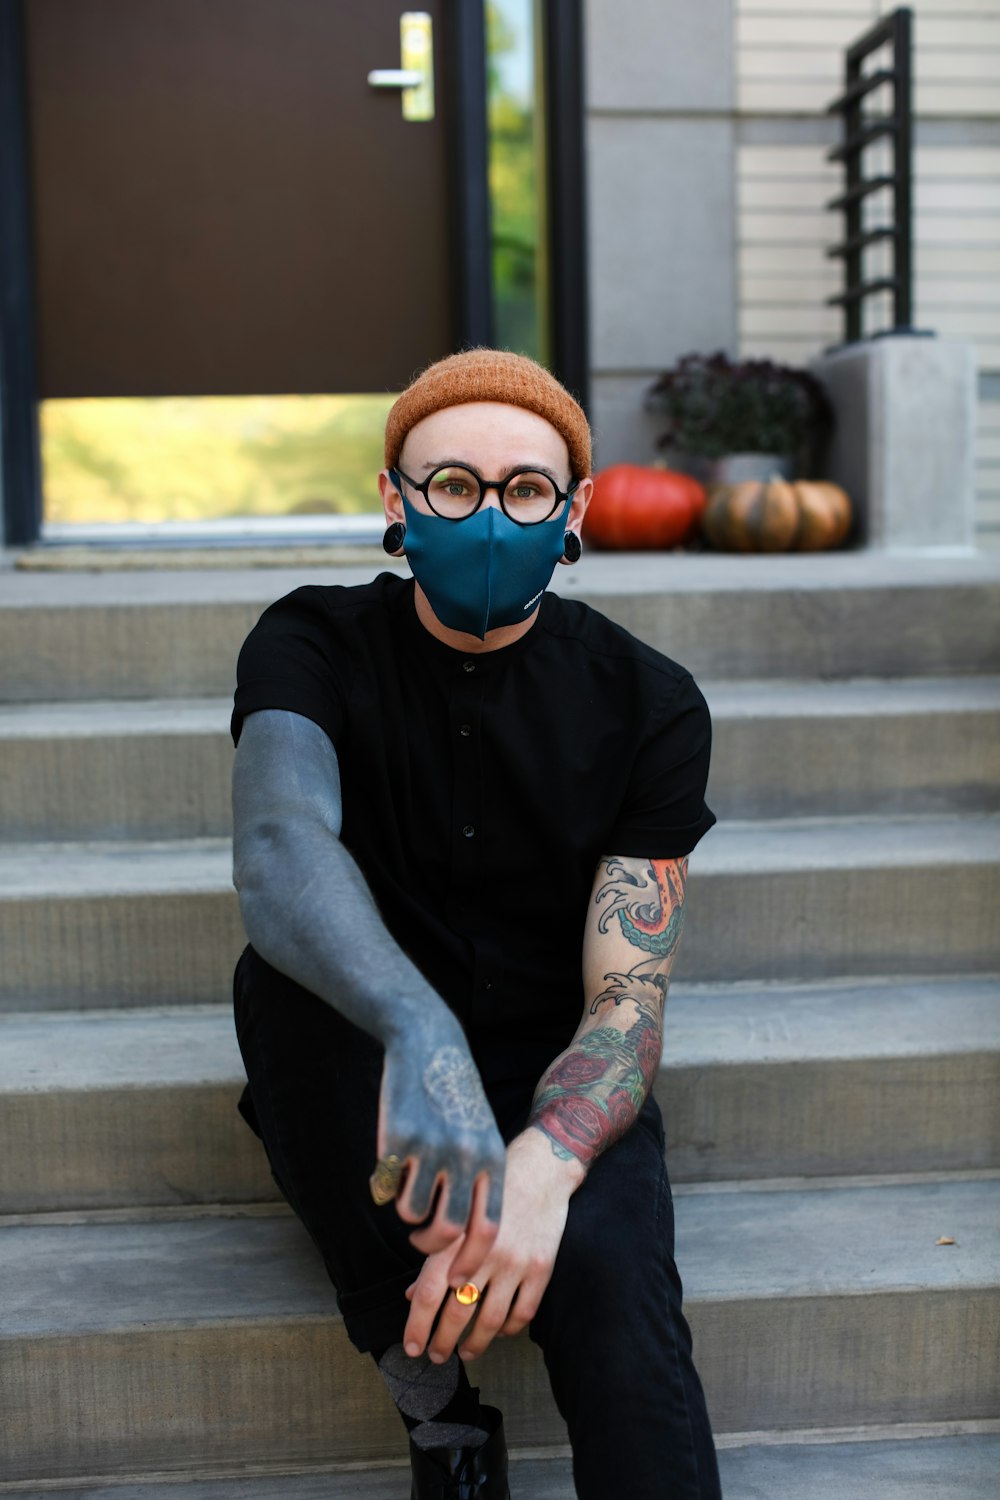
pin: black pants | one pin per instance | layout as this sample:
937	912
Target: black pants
616	1344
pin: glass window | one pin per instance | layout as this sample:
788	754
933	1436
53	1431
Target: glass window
518	186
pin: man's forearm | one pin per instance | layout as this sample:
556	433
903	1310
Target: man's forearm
593	1092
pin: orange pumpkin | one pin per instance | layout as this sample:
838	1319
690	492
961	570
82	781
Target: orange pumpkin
777	515
638	507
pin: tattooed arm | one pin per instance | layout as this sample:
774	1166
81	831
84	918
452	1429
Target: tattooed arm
592	1093
584	1102
308	911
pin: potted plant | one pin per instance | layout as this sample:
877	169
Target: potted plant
728	421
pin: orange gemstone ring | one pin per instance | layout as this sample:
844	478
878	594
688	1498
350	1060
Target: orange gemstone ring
467	1294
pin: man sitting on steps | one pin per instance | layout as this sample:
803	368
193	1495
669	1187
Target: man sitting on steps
454	794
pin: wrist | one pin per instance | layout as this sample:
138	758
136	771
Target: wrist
419	1028
561	1173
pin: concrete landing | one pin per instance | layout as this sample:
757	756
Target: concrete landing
951	1468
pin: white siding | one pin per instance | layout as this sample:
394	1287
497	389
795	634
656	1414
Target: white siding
789	60
789	54
785	274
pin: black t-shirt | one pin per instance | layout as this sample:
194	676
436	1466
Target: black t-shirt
480	791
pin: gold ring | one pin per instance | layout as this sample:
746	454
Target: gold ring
385	1180
467	1294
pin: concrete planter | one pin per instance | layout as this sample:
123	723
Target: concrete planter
904	439
732	468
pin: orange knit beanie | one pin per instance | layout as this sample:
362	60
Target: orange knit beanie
490	375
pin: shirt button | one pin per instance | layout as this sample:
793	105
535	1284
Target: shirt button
465	731
468	666
487	985
469	831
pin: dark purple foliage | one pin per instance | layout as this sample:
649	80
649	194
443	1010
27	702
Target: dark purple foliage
714	406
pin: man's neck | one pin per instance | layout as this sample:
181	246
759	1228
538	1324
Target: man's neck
460	640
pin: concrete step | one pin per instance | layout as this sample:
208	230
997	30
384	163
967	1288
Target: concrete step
118	1108
117	923
963	1466
210	1341
161	769
153	769
799	749
177	634
890	1468
127	923
811	898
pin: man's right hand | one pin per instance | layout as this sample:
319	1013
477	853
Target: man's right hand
434	1117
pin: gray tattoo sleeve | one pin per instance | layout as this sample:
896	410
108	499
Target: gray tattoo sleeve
308	911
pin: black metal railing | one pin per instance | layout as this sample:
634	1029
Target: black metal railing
860	131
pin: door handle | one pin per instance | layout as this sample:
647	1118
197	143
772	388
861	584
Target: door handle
394	78
415	75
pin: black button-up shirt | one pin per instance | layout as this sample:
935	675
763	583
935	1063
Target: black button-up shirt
479	793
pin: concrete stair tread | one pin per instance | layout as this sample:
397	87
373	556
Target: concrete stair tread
897	1468
69	1279
892	1469
838	1239
149	1048
774	844
756	697
657	572
792	844
707	1025
99	718
114	867
742	1024
876	696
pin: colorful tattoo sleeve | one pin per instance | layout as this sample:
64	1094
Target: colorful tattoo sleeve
592	1093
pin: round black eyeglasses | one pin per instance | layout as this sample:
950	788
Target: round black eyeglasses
456	492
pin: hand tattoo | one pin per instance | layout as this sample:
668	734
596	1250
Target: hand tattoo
455	1091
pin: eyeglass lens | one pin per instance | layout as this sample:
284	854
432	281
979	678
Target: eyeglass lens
454	492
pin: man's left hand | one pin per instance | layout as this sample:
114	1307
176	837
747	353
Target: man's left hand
515	1272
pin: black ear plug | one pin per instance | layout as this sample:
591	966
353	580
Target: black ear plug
395	536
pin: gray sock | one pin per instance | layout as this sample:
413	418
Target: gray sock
447	1435
423	1390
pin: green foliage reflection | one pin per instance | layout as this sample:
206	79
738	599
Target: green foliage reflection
516	172
185	458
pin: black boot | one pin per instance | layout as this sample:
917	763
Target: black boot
463	1473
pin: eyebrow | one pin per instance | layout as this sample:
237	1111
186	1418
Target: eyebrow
528	466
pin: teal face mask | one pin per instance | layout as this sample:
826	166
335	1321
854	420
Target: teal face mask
485	571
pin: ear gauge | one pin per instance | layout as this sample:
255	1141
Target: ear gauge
572	548
395	536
